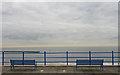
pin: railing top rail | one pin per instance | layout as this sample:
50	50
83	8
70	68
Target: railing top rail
58	51
62	52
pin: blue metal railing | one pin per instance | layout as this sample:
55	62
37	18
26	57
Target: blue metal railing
90	57
66	57
44	58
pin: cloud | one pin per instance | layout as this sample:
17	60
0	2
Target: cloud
60	23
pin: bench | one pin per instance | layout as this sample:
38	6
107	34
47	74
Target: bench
23	62
89	62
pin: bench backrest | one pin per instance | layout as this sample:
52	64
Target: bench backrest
97	62
88	62
22	62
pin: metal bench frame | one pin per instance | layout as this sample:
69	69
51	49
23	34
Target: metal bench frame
23	62
89	62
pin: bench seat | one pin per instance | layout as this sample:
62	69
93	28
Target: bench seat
23	62
89	62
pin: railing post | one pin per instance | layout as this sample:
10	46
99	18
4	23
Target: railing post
3	58
67	57
89	57
23	58
112	58
44	58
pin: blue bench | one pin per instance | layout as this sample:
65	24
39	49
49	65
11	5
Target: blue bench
23	62
89	62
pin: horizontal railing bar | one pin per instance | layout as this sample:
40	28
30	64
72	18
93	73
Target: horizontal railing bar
72	61
107	61
62	57
6	62
77	52
116	52
116	57
55	57
40	61
78	57
101	57
12	53
55	52
56	61
34	53
101	52
116	61
33	57
111	61
12	57
50	61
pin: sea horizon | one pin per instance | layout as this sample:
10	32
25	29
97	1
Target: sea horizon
107	48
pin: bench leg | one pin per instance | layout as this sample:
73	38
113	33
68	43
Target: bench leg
35	67
76	68
102	67
11	67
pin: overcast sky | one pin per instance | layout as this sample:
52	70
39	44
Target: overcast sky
62	23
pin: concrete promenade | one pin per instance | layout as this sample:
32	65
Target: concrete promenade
110	70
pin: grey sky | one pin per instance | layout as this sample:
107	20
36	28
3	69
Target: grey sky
59	23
